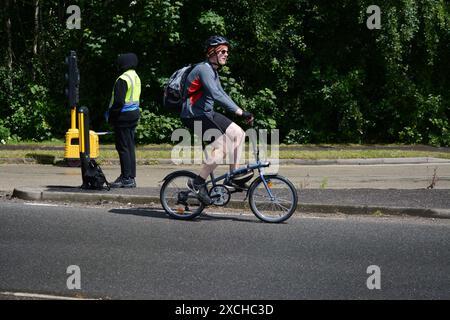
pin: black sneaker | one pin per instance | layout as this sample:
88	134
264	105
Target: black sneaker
128	183
117	183
244	176
122	182
239	180
235	186
200	191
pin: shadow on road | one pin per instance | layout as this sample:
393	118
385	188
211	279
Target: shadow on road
141	212
41	158
160	214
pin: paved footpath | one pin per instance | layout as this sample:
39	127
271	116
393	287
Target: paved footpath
372	186
350	176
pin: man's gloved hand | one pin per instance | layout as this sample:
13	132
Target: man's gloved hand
248	116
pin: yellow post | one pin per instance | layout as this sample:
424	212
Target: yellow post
71	149
73	118
81	130
73	141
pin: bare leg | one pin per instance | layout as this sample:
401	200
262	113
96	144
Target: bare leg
235	139
228	144
217	155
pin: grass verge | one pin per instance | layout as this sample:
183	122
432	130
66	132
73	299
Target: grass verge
31	150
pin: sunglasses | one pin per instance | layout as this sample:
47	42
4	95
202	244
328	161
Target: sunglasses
223	51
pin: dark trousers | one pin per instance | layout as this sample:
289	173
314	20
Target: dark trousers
125	146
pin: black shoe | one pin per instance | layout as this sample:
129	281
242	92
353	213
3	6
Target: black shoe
122	182
235	187
117	183
243	177
239	180
200	191
129	183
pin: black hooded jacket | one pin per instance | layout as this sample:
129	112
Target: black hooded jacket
117	118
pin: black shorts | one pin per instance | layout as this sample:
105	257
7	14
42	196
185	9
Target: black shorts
216	121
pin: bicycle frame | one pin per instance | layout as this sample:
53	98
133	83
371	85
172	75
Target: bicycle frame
176	203
251	166
258	165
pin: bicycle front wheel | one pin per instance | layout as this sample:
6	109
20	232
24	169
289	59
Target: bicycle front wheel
273	199
177	199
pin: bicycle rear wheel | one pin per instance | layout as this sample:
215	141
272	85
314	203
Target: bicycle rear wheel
276	206
177	199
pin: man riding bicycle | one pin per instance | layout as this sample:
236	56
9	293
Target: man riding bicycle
203	90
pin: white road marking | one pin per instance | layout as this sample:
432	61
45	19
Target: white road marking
40	296
206	212
323	218
228	213
41	204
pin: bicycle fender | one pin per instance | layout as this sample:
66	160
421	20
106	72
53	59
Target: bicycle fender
170	175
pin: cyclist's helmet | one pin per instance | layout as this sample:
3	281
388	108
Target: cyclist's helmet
213	42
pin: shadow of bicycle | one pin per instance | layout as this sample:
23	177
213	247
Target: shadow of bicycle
160	214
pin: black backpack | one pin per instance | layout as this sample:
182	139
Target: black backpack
94	178
174	88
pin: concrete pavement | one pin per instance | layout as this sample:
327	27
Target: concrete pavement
411	186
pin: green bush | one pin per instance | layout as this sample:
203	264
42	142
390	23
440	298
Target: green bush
298	136
428	123
262	104
29	111
435	120
309	68
154	128
4	133
28	107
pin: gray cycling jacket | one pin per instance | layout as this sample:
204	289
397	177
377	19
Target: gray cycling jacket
203	88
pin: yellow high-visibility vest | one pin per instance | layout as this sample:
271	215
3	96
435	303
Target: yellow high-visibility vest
133	91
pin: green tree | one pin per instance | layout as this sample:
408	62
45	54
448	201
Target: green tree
311	68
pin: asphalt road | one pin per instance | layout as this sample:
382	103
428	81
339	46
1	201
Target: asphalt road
134	253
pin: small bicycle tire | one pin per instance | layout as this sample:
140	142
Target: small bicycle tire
276	209
177	199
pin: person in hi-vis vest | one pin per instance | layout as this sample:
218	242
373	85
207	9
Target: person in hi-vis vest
123	115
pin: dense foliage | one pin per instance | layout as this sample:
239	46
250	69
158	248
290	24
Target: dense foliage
310	68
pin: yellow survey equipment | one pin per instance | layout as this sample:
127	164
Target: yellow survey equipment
72	147
73	144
